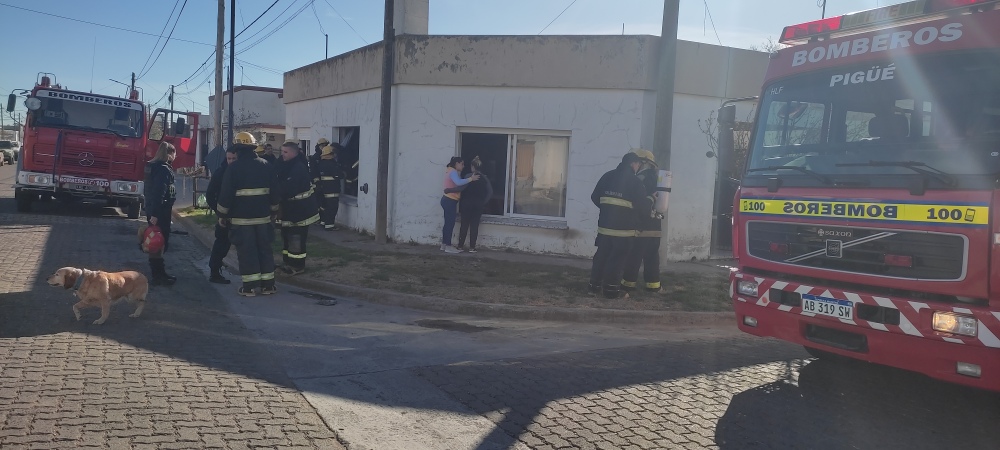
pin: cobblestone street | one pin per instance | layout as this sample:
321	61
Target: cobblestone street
203	368
186	374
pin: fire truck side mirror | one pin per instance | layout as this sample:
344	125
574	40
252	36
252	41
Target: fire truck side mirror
11	101
180	127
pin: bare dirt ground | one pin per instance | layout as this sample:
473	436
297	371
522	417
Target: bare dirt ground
486	280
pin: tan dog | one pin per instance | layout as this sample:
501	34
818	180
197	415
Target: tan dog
101	289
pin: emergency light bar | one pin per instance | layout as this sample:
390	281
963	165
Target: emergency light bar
903	12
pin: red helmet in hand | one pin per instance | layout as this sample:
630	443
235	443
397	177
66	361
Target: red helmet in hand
152	239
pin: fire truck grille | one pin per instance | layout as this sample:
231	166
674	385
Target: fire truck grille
85	162
880	252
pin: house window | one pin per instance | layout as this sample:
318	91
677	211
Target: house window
527	171
349	157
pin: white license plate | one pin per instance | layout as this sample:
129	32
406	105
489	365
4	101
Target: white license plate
826	306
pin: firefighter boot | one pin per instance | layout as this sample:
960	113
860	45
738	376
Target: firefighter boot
217	277
158	269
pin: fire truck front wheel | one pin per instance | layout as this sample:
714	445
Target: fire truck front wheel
24	200
133	210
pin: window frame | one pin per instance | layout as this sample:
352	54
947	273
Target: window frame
512	136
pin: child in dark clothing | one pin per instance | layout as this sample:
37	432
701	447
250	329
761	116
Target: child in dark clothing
471	205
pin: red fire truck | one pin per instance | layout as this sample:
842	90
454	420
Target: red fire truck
866	224
82	145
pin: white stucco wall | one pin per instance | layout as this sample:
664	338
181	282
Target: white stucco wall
314	119
603	125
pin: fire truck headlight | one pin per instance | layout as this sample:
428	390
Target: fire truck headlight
39	179
32	103
747	287
947	322
126	187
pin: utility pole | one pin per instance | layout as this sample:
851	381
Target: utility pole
327	54
171	98
382	181
232	57
220	33
662	133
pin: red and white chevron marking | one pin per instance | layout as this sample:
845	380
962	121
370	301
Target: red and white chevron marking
909	317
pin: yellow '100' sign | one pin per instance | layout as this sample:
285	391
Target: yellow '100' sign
903	212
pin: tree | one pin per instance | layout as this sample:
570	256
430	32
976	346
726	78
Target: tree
768	46
709	126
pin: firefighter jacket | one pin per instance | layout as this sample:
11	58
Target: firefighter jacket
327	177
649	226
215	186
298	204
249	193
158	189
622	200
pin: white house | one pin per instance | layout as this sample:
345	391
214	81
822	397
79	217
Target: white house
255	108
548	115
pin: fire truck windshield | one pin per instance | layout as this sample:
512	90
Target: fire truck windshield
939	112
83	112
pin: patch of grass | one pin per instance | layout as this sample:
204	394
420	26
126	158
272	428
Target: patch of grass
202	217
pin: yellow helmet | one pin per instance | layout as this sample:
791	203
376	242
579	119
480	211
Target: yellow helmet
322	141
327	150
260	149
644	154
244	138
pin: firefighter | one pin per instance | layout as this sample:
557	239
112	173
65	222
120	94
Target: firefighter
249	200
298	207
221	246
266	155
160	194
619	195
314	158
313	171
646	246
328	175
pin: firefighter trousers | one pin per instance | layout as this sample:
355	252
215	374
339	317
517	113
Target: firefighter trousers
609	263
645	252
253	248
328	210
293	252
220	248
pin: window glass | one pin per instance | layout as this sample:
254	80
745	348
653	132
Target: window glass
540	175
84	112
527	172
940	112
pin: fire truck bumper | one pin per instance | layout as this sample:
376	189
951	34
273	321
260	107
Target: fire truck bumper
892	331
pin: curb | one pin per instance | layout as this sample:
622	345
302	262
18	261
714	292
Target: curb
391	298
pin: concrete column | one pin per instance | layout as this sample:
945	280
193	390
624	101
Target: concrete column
411	16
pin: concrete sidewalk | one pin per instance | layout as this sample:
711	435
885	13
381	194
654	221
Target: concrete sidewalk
354	240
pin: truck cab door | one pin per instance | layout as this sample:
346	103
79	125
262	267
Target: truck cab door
178	128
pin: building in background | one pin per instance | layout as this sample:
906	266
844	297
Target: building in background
547	115
256	109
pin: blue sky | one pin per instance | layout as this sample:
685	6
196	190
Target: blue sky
41	43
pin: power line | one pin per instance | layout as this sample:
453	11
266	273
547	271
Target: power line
321	29
346	22
258	18
103	25
557	17
268	24
709	14
176	21
276	29
165	24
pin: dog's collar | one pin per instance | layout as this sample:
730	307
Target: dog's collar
79	280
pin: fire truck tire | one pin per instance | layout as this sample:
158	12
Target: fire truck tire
24	200
133	210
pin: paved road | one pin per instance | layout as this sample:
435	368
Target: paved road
205	367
